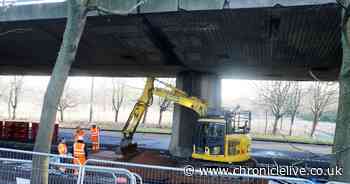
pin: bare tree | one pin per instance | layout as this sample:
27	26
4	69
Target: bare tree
91	111
117	97
266	122
281	123
76	19
68	100
164	104
322	95
293	103
274	95
342	135
14	95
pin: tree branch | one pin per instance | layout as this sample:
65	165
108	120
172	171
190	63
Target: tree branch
118	12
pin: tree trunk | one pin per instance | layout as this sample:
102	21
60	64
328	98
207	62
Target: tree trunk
14	112
274	130
9	108
266	122
14	105
160	118
314	124
116	115
342	130
76	19
91	100
291	124
144	117
61	115
281	123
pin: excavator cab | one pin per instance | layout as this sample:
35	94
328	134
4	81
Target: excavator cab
223	138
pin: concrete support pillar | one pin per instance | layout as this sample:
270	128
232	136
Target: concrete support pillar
210	90
204	86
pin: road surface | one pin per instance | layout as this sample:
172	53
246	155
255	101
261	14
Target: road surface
259	148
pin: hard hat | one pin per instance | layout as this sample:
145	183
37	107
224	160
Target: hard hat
80	138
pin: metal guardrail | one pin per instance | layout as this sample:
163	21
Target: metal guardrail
16	166
162	174
104	175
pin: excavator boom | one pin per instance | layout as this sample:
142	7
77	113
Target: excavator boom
190	102
139	109
145	100
169	93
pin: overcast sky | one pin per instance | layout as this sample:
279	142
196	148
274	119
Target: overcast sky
231	88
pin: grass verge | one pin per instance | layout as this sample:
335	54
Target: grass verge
294	139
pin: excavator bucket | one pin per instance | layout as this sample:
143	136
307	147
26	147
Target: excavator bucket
127	149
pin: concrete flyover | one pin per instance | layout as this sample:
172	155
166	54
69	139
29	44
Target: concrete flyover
198	42
266	39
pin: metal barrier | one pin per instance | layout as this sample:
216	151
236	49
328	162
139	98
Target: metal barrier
104	175
16	167
161	174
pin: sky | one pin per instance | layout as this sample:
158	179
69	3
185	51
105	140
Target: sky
231	88
234	89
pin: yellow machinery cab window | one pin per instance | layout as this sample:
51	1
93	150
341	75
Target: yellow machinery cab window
210	134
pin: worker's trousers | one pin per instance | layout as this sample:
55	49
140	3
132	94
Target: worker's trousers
95	146
80	161
62	160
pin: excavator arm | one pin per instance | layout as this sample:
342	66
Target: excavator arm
139	109
190	102
169	93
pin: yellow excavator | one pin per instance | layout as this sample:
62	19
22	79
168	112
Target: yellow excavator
220	138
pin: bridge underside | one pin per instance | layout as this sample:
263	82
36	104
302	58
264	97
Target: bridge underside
255	43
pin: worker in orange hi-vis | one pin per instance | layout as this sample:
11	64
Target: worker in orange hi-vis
62	151
79	153
95	138
79	134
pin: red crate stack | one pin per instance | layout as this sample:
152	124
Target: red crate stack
35	129
16	131
1	129
9	129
